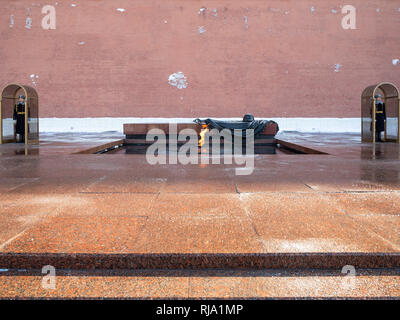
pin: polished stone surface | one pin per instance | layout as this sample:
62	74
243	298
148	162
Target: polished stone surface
54	201
196	284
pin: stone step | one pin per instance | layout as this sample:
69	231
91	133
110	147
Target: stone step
255	261
192	284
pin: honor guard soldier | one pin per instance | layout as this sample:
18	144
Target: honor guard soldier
380	117
19	115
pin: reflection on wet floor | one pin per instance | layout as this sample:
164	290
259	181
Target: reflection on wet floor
344	145
26	151
59	143
19	149
380	151
142	149
336	144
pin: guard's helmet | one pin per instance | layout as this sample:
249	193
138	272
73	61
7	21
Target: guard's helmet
21	97
378	96
248	118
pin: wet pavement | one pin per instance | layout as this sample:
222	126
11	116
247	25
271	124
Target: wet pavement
344	203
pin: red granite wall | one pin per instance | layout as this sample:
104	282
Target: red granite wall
270	58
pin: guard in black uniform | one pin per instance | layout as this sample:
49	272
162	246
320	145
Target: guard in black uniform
19	115
380	117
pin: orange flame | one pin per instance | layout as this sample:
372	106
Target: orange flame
203	132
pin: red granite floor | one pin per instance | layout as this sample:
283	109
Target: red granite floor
342	204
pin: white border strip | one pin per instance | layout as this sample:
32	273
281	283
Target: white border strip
116	124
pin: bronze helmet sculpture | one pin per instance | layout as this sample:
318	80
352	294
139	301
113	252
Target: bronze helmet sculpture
248	118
